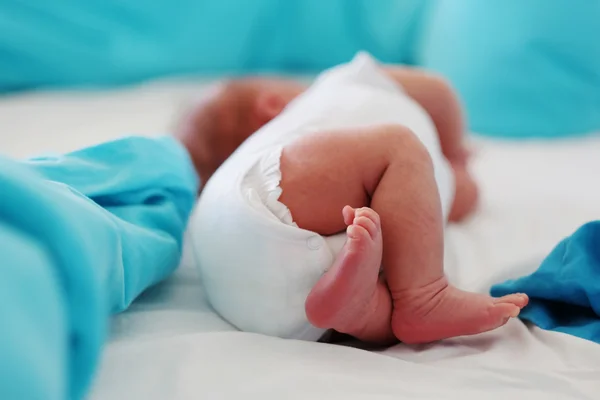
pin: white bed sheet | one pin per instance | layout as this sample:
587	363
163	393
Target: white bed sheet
171	345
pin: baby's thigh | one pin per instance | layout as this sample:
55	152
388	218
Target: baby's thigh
325	171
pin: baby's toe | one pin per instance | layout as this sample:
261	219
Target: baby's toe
518	299
348	214
367	224
369	213
358	234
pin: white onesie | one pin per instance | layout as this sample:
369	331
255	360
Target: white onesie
257	266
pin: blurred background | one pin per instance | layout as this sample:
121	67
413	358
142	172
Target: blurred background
78	72
523	68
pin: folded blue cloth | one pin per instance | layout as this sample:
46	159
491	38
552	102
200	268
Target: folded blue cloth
81	236
565	290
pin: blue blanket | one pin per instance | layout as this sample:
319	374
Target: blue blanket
81	236
565	289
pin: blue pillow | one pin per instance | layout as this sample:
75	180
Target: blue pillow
524	68
109	42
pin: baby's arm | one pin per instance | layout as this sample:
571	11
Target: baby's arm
440	101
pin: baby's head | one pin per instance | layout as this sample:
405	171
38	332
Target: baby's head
229	114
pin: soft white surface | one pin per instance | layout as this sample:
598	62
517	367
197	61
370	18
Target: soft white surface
170	345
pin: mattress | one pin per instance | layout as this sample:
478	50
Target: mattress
171	345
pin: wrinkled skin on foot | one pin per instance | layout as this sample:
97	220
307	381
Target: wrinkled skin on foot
352	299
440	311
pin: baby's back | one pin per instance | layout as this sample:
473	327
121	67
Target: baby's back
354	95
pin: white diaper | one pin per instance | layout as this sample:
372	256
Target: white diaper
257	265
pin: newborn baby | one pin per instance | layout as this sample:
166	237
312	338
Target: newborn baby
331	215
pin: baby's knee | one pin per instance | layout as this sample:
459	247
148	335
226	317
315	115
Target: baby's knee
400	143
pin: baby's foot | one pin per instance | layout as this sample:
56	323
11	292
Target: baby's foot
439	311
349	297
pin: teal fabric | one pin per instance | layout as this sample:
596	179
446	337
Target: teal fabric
88	42
523	68
564	292
81	236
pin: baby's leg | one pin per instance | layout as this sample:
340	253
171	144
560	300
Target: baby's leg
388	169
440	101
351	297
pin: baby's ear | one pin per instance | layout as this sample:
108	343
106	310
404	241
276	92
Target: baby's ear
269	105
